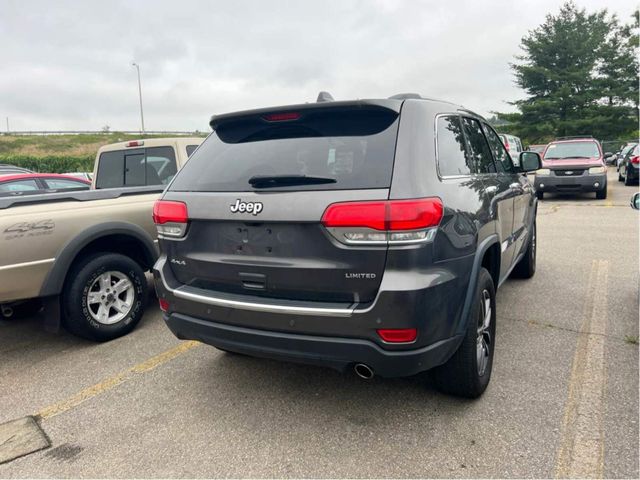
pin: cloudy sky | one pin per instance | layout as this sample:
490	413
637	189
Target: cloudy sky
67	65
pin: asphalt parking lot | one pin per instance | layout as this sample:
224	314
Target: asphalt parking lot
563	400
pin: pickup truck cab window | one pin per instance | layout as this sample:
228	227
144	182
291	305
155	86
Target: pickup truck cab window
139	167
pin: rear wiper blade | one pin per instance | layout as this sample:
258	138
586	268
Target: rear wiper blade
268	181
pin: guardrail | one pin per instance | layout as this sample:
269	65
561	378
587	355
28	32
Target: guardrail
101	132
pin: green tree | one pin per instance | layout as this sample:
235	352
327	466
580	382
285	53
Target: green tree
580	74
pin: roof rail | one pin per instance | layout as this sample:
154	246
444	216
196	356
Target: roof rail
405	96
324	97
571	137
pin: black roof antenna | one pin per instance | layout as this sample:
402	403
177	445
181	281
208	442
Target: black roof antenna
324	97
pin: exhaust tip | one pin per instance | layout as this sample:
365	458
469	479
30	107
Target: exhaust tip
363	371
7	312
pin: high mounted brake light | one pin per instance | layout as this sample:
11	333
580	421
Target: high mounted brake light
135	143
381	222
281	117
170	218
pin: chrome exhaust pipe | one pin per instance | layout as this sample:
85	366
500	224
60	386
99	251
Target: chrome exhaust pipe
363	371
7	311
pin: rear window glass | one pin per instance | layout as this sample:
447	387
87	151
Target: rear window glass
353	147
139	167
587	149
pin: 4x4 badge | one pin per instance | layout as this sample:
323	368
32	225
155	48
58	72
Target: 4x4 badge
246	207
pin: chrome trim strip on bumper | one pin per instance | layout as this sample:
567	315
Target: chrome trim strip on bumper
255	306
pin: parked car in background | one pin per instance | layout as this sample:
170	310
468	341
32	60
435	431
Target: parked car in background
513	146
83	175
623	152
629	167
6	169
83	254
369	235
35	183
572	165
539	148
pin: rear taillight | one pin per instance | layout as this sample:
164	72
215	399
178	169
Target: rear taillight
635	160
398	335
170	218
506	145
381	222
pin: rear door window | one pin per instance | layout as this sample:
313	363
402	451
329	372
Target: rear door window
18	186
452	155
478	146
500	154
351	148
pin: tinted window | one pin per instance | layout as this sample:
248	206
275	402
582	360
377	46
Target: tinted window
479	149
110	170
61	184
18	186
452	155
500	154
150	166
161	165
191	149
353	146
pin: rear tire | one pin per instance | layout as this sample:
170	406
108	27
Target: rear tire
602	194
540	195
468	371
104	298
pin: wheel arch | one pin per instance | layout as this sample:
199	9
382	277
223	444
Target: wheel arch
488	255
113	237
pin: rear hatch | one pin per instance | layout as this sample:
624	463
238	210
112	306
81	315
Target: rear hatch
256	191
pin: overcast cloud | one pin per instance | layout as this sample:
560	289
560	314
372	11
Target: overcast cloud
67	65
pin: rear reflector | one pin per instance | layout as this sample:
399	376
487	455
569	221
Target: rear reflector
164	305
635	160
398	335
135	143
385	215
170	218
281	117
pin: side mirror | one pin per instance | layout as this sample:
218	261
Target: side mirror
635	201
530	161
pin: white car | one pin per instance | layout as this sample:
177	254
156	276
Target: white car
513	146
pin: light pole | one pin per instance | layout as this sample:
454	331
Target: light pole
140	94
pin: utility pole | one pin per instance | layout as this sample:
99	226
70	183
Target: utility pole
8	125
140	94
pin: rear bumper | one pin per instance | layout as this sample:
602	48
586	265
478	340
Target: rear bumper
334	335
569	184
334	352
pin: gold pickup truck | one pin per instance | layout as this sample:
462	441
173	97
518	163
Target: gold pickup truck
83	254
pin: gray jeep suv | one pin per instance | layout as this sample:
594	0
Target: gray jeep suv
367	234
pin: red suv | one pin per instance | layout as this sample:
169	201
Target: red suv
572	165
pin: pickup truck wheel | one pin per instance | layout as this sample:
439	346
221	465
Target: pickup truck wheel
526	267
105	297
468	371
